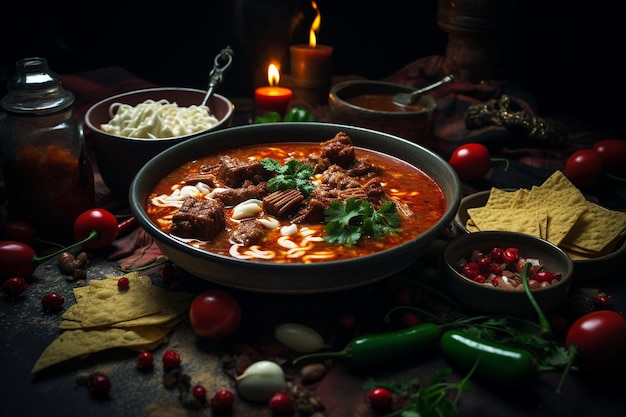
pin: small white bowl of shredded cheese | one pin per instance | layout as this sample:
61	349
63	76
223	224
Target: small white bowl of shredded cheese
128	129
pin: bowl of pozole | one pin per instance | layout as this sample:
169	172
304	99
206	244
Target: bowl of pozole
295	207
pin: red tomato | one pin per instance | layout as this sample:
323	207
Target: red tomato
613	154
600	337
19	231
584	168
470	161
214	314
100	220
16	260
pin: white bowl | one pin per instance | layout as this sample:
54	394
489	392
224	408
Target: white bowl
118	157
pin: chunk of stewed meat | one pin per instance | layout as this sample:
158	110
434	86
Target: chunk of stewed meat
247	233
201	219
283	202
234	172
234	196
338	150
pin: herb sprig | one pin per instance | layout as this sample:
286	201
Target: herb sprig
348	222
294	175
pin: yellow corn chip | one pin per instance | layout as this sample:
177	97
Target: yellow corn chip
76	343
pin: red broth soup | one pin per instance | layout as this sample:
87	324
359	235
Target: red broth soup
227	203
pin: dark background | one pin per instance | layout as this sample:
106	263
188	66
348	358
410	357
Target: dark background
565	52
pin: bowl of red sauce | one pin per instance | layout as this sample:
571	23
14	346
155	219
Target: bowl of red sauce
369	104
295	207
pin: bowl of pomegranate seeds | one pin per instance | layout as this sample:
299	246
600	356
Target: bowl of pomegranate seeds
485	272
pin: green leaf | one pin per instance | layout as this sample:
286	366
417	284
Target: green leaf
298	114
294	175
348	222
269	117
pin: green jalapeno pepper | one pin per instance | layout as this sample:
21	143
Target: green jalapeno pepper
376	349
496	363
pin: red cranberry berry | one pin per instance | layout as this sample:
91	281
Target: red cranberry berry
602	302
145	360
281	404
123	283
380	398
198	392
171	359
52	302
222	400
14	286
98	384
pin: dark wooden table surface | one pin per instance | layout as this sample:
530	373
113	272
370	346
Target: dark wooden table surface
25	331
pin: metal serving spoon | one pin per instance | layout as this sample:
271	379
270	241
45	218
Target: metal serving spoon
406	99
221	63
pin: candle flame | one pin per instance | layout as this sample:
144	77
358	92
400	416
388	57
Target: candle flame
273	75
315	26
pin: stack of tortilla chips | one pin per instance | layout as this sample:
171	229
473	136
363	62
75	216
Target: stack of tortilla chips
104	317
555	211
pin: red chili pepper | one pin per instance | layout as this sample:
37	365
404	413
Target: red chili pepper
126	225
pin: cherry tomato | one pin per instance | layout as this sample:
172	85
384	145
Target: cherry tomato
281	404
100	220
16	260
214	314
171	359
584	168
222	400
600	339
613	154
19	231
470	161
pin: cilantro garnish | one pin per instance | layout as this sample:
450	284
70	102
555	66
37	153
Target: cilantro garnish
348	222
295	175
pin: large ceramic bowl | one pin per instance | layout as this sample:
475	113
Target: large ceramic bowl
584	269
119	157
374	110
487	299
293	278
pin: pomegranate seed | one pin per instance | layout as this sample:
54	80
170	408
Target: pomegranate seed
222	400
171	359
123	283
471	269
14	286
98	384
379	398
602	302
480	278
544	276
484	263
510	255
198	392
496	254
52	302
145	360
280	404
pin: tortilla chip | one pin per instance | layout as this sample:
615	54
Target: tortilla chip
525	221
76	343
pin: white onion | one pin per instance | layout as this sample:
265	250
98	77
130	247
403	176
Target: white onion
261	380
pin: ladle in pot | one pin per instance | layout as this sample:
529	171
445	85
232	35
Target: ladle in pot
407	99
221	63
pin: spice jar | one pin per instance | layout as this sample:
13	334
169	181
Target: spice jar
48	177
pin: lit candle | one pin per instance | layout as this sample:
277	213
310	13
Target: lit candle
311	64
272	98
